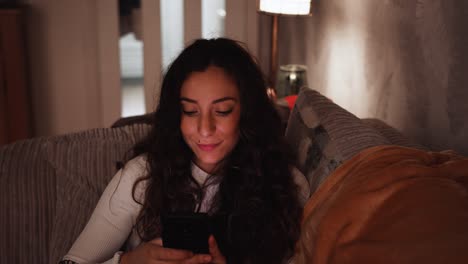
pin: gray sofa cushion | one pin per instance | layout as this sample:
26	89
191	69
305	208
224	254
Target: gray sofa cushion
324	135
27	202
49	187
84	162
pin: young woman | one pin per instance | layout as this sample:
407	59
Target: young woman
217	147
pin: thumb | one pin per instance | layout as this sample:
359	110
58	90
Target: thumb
157	241
215	252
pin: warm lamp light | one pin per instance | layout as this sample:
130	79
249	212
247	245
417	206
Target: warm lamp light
285	7
276	8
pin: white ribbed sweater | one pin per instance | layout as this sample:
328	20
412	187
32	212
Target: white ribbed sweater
111	224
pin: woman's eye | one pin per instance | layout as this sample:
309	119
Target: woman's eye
224	113
189	113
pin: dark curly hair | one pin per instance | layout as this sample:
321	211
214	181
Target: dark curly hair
256	189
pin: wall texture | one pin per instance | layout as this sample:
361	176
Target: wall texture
70	63
403	61
74	58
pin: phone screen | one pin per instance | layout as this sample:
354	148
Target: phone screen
186	231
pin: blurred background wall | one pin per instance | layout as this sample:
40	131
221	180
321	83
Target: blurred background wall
404	61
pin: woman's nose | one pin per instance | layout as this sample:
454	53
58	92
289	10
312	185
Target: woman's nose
206	125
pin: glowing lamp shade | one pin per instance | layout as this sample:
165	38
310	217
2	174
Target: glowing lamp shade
285	7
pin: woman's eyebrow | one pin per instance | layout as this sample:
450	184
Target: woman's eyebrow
227	98
188	100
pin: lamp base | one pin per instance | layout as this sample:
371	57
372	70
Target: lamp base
290	79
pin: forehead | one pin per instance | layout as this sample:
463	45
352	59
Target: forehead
211	84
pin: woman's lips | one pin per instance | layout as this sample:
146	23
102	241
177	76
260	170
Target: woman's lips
208	147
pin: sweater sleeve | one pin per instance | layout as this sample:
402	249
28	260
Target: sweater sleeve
303	184
112	220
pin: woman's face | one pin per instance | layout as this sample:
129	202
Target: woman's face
210	116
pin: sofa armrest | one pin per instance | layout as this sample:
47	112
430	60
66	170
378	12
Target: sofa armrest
131	120
394	136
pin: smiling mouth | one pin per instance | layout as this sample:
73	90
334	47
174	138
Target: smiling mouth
208	147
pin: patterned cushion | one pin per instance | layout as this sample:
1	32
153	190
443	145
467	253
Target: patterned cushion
324	135
85	162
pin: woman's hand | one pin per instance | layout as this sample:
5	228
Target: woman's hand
153	252
217	257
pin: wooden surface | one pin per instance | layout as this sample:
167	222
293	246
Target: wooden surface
14	102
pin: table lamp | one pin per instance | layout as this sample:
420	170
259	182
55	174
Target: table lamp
275	8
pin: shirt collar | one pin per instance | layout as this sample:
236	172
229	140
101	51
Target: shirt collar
198	174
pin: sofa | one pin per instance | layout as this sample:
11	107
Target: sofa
50	185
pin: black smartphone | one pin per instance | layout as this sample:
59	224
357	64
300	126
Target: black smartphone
189	231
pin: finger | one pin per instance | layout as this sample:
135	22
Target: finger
174	254
214	251
199	259
157	241
162	253
170	253
213	246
